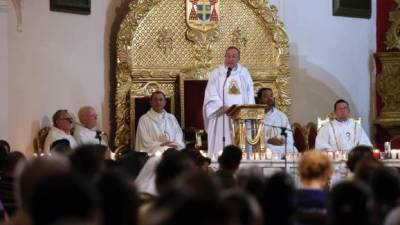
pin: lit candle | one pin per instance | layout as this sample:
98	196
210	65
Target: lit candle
376	153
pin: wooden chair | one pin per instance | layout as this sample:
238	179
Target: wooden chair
311	134
395	142
299	137
38	142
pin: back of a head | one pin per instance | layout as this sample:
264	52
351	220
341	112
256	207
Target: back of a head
349	204
32	172
62	197
356	154
230	158
193	211
11	161
365	168
243	206
131	162
170	167
118	199
61	147
3	155
315	165
385	185
279	200
5	145
88	160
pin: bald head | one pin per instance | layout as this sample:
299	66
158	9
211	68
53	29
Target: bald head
88	117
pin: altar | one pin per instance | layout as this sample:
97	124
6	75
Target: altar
269	167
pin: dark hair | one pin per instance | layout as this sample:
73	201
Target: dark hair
157	92
233	47
61	197
11	161
88	161
57	115
340	101
131	162
6	145
230	157
61	146
260	91
356	154
170	167
348	204
118	199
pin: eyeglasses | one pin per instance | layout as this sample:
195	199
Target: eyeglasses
68	119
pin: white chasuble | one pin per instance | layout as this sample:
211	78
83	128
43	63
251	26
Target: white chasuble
156	128
238	90
56	134
337	135
275	118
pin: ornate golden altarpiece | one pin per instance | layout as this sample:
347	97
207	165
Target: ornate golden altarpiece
388	82
158	49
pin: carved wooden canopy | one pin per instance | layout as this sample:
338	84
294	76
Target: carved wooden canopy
159	48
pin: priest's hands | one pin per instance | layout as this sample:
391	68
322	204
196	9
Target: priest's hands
275	141
170	144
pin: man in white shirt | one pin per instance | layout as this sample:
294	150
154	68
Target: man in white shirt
229	84
273	122
342	133
158	130
62	125
86	132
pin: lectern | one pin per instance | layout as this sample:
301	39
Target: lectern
248	128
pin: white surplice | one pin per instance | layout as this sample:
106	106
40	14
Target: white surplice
238	90
277	118
336	135
56	134
85	135
156	128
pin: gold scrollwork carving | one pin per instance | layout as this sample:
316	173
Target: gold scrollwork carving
165	39
393	34
146	55
239	39
202	48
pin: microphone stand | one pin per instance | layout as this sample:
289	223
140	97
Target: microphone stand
284	134
228	73
98	136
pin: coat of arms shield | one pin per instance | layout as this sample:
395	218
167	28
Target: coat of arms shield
202	15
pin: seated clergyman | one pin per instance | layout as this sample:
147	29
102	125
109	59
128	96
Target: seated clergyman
158	130
274	121
62	125
341	133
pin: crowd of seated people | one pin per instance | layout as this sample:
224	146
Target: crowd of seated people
81	186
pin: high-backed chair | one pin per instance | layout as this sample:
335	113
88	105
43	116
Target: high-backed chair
395	142
38	142
311	130
299	137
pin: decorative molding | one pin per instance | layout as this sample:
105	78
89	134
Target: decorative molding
393	34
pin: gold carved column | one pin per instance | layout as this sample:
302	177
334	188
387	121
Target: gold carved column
389	80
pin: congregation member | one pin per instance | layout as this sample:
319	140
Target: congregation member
158	130
342	133
274	121
229	162
229	84
61	129
86	132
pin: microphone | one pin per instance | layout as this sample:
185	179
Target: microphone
98	135
228	73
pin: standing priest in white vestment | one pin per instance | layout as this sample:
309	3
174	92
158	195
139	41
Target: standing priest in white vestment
342	133
158	130
233	81
274	120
